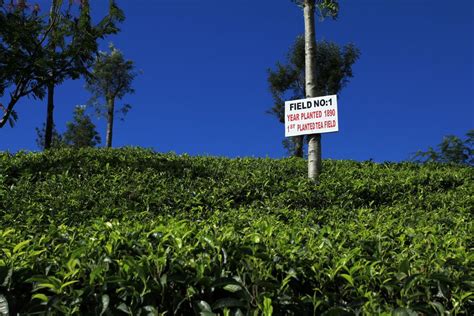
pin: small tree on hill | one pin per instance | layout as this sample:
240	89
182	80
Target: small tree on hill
39	51
22	71
451	150
72	45
326	8
81	131
57	139
287	81
111	79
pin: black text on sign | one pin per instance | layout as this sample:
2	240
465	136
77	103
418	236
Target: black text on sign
311	116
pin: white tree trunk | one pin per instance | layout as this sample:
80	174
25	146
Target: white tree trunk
48	130
314	140
110	121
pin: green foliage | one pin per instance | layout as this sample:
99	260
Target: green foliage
81	131
130	231
450	150
39	49
57	138
287	80
111	78
21	62
325	8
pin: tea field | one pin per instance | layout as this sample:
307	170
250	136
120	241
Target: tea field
134	232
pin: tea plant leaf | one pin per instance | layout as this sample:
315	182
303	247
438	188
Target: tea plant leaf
8	276
20	246
66	284
238	312
124	308
150	310
348	278
227	302
105	299
438	307
402	311
405	266
40	296
203	306
267	307
3	306
338	311
232	288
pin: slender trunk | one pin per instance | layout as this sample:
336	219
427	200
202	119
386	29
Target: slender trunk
48	133
314	140
110	121
298	140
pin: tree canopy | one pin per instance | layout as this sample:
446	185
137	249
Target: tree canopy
81	132
57	139
287	80
451	150
111	78
325	8
22	59
36	48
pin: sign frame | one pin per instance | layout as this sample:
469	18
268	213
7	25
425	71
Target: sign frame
311	116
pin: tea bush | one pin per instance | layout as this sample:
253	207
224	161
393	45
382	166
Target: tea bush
131	231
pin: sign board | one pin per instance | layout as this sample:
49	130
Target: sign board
311	116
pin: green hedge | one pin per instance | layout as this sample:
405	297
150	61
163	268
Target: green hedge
131	231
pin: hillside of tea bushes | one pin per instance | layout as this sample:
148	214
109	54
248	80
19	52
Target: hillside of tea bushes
133	232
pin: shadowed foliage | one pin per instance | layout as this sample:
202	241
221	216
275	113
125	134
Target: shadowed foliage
131	231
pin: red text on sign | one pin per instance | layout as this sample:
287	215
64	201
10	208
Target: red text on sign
293	117
315	126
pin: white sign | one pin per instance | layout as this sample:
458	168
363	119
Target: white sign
311	116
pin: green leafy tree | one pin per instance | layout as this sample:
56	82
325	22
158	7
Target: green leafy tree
22	60
287	81
39	51
111	79
72	45
81	132
57	141
451	150
326	8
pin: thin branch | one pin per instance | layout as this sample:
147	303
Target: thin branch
7	112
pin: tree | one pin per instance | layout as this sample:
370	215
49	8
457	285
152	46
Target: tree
71	46
81	131
57	138
41	51
326	8
111	79
22	60
287	81
451	150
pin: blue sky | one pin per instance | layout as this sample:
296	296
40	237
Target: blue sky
203	90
